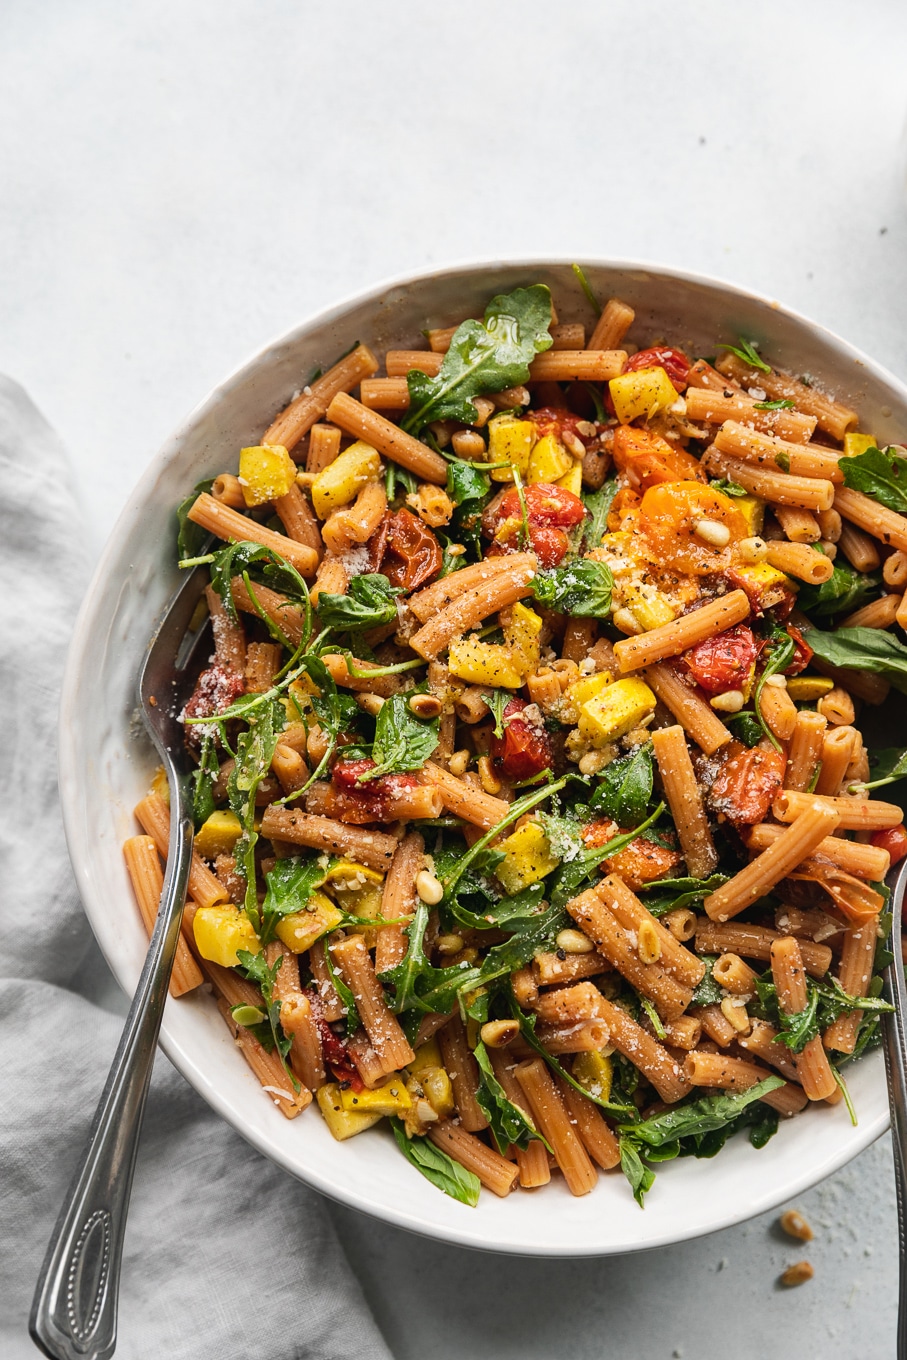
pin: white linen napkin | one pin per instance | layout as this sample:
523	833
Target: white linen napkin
225	1255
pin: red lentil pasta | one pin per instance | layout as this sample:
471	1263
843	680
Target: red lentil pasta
534	820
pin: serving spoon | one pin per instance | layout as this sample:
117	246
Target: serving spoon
895	1043
74	1311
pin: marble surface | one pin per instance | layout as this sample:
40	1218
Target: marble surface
182	183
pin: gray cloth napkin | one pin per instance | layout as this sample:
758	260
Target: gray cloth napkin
225	1255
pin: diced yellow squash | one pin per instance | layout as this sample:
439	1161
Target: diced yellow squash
521	632
855	444
803	689
767	582
427	1055
528	858
347	876
484	663
589	686
342	480
218	834
221	931
342	1123
391	1098
753	511
548	460
572	479
509	441
650	608
615	711
643	393
594	1072
438	1091
300	929
266	471
159	785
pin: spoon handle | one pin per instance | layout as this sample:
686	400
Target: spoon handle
74	1311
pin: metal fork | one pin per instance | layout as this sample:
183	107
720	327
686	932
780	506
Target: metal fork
74	1312
895	1042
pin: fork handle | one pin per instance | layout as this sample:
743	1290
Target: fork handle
895	1044
74	1312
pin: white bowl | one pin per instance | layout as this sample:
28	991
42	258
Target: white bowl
106	761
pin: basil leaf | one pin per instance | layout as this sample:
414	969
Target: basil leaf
746	350
782	404
508	1123
581	588
437	1167
728	488
598	503
640	1176
484	356
466	483
708	993
370	602
402	741
625	788
192	539
697	1117
863	649
881	474
844	591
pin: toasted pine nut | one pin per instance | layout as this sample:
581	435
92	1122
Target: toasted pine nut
593	761
734	1012
730	702
713	532
795	1225
574	942
490	781
752	549
778	681
425	705
499	1033
370	703
649	946
459	762
429	890
797	1274
449	944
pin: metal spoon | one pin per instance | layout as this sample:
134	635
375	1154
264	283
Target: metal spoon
895	1038
74	1312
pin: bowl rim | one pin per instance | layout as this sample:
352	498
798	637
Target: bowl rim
89	615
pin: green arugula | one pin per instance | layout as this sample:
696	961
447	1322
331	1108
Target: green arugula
254	753
437	1167
728	488
497	701
746	350
625	788
669	894
290	884
587	288
402	741
881	474
398	476
370	602
844	591
203	779
863	649
886	766
745	726
782	404
347	1000
236	559
640	1176
778	653
499	915
192	539
761	1120
826	1001
708	993
466	483
508	1122
484	356
527	1029
581	588
517	809
569	878
598	503
269	1033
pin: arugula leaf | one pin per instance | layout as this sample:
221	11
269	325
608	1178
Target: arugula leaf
782	404
581	588
466	483
508	1123
761	1120
235	559
399	476
569	879
745	726
402	741
886	766
669	894
437	1167
369	602
497	701
347	999
290	884
203	779
527	1029
564	836
746	350
697	1116
844	591
192	538
587	288
798	1029
500	914
708	993
881	474
640	1176
271	1035
598	503
778	654
484	356
728	488
654	1018
625	788
863	649
254	752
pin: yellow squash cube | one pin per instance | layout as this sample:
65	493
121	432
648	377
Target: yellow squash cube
427	1055
342	480
588	687
753	511
342	1123
221	931
615	711
391	1098
643	393
572	480
855	444
650	608
528	858
521	632
509	441
805	689
594	1072
300	929
218	834
266	472
484	663
548	460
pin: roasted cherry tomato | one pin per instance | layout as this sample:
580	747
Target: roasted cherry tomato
723	662
803	654
674	362
550	510
646	459
525	748
369	802
412	554
641	862
556	420
777	596
623	507
894	840
746	784
215	690
668	520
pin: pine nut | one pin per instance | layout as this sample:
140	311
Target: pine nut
574	942
735	1013
777	681
593	761
797	1274
449	944
429	889
490	782
459	762
370	703
730	702
649	946
425	705
830	549
752	549
499	1033
712	532
626	622
795	1225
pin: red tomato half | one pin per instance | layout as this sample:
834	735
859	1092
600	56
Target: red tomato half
723	662
674	362
550	510
802	655
555	420
894	840
413	554
524	750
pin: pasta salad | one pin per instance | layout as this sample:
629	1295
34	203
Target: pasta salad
533	816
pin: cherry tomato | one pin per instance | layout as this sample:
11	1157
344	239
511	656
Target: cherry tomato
674	362
639	863
625	503
556	420
412	554
524	750
745	786
723	662
894	840
548	505
369	802
777	597
549	511
215	690
667	524
646	459
803	654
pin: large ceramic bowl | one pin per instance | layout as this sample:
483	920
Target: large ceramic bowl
106	762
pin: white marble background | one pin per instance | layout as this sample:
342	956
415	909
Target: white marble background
180	182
